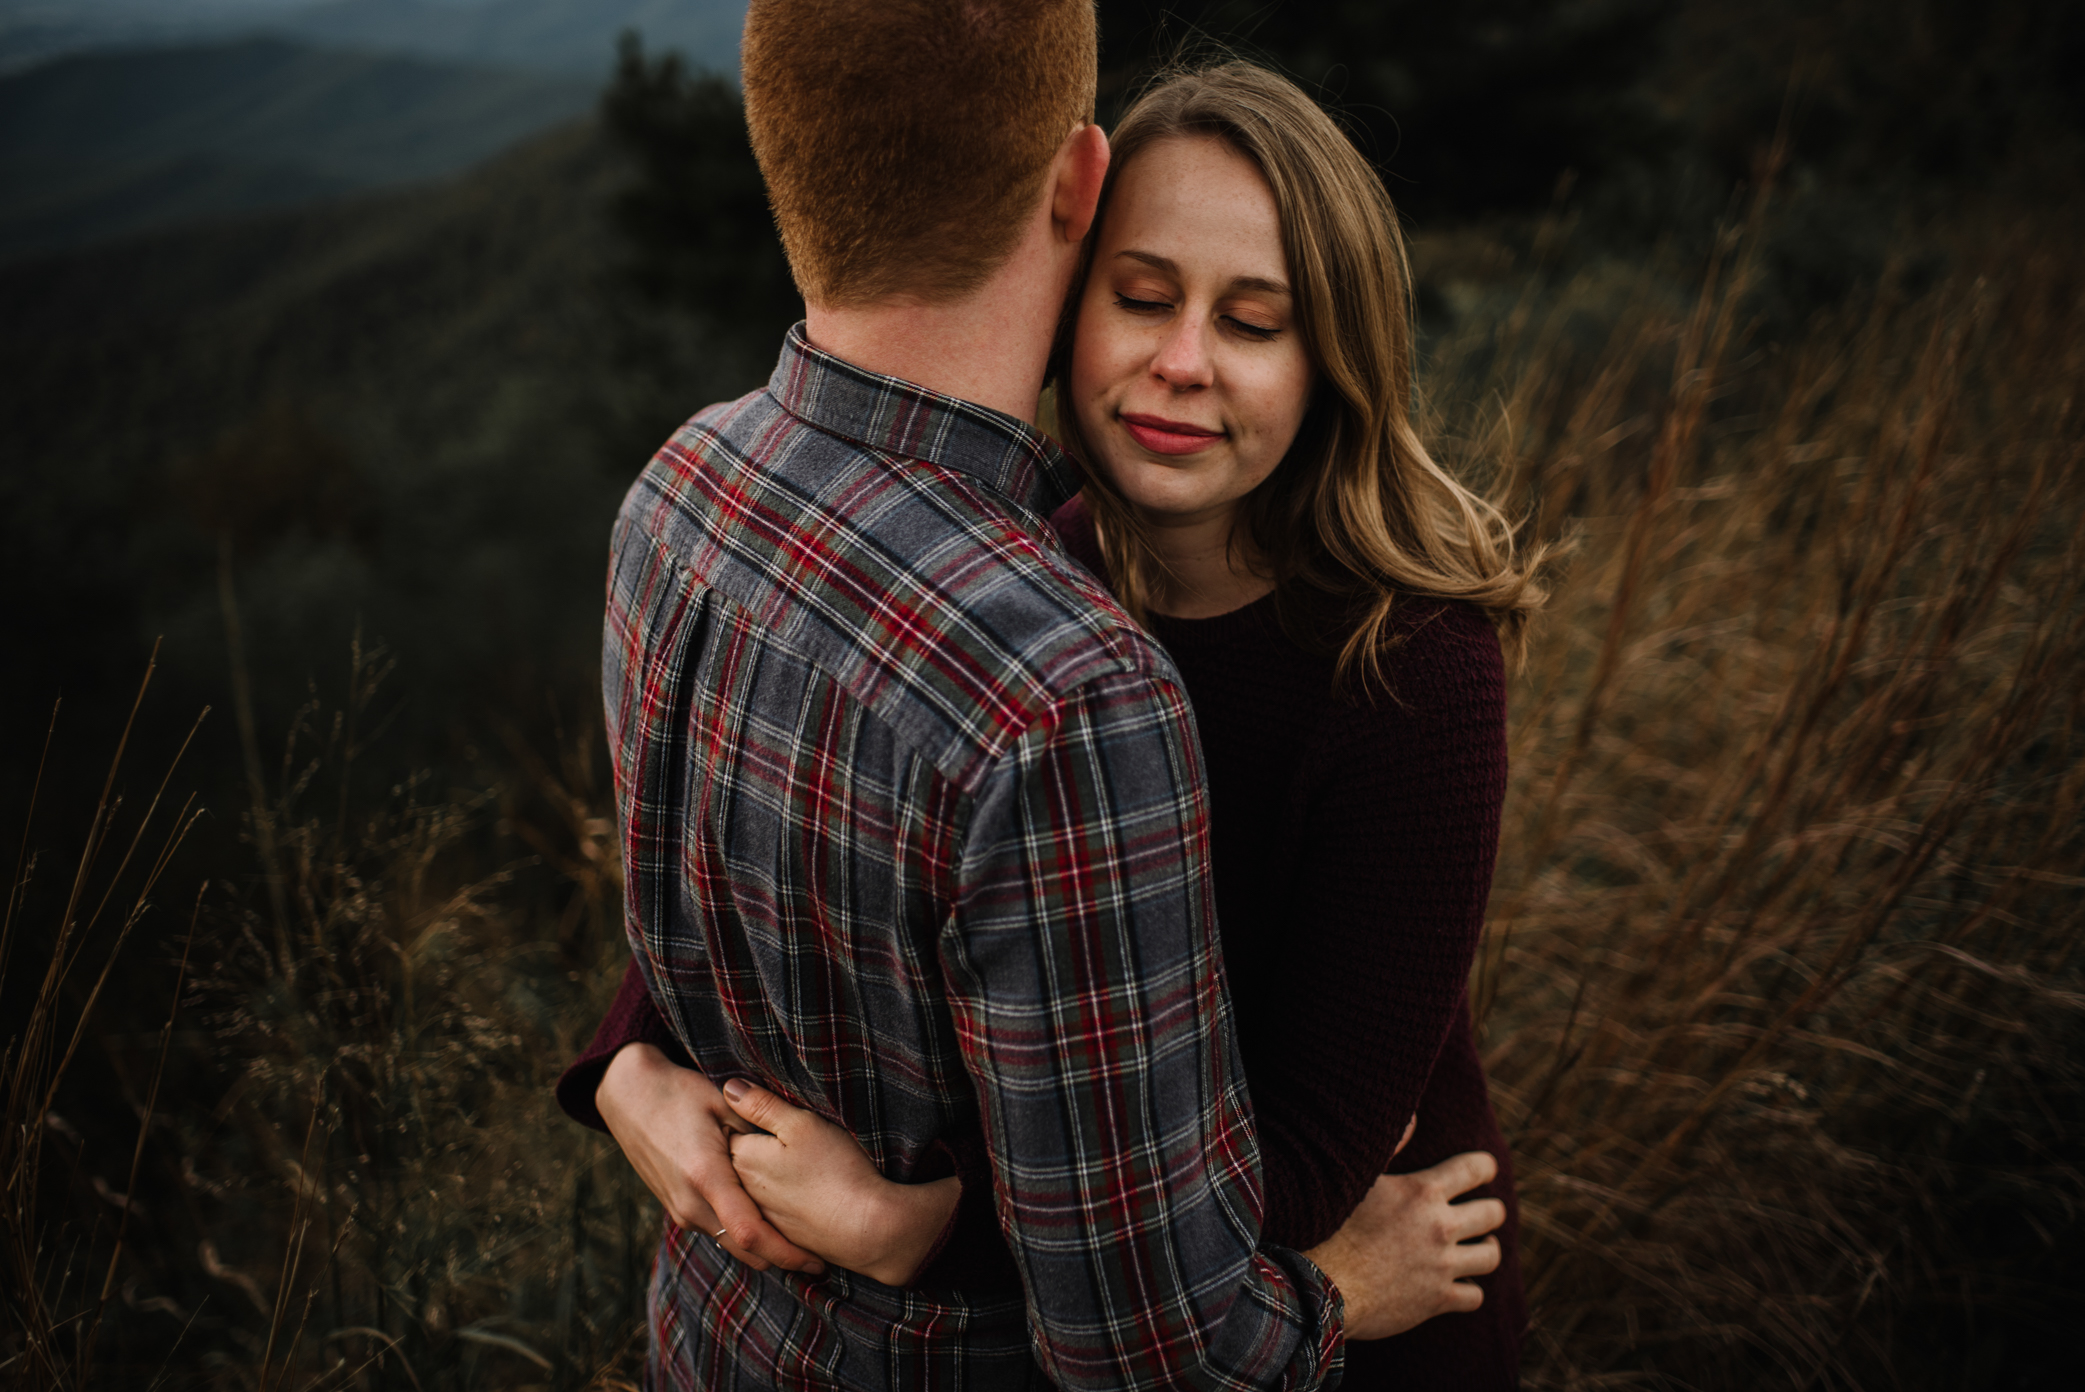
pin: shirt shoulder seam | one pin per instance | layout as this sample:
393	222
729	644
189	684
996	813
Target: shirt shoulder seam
1116	664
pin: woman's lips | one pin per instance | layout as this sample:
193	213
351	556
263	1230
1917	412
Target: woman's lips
1162	436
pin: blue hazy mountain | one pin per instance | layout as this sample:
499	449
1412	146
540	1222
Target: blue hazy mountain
99	144
564	36
34	31
552	35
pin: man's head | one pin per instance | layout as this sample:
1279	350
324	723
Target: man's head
905	142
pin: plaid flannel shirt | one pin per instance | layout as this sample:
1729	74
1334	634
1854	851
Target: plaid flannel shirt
915	836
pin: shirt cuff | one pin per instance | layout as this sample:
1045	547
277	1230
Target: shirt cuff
1325	1307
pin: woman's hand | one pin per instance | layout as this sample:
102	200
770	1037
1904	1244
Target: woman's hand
673	1124
1404	1255
816	1184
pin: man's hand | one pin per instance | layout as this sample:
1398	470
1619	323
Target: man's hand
1401	1257
675	1128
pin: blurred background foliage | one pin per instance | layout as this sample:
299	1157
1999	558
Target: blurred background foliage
303	379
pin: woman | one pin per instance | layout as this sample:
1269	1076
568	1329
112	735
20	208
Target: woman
1235	376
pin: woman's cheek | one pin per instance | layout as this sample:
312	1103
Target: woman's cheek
1085	391
1089	402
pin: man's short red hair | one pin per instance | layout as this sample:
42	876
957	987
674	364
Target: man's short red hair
904	142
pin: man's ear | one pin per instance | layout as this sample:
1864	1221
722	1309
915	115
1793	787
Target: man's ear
1081	167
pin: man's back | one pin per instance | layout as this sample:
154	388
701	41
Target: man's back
913	831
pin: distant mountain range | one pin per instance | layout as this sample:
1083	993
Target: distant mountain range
551	35
554	36
122	115
97	145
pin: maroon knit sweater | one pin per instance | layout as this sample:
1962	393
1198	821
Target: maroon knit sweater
1353	841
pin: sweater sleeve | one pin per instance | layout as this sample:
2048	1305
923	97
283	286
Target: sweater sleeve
1399	826
633	1018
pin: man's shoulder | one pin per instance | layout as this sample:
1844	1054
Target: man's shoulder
946	609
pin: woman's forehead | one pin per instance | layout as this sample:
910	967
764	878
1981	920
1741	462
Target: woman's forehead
1194	200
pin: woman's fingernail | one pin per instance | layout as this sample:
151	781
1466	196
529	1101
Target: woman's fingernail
735	1088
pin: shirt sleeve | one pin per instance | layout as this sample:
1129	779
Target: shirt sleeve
1083	971
1397	851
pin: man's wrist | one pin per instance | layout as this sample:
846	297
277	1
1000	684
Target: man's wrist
1337	1258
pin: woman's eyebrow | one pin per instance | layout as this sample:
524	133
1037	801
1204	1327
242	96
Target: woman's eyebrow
1172	268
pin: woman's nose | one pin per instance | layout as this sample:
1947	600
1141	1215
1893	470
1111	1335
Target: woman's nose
1182	361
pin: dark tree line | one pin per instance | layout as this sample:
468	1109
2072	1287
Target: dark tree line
1488	108
1468	108
696	214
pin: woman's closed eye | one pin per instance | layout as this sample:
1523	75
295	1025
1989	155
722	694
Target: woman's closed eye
1258	332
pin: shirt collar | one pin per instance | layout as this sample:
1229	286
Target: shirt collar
895	416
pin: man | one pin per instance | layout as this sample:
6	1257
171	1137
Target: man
912	815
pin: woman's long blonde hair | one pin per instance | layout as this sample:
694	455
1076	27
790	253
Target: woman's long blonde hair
1358	509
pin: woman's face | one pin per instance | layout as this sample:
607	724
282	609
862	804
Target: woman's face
1188	372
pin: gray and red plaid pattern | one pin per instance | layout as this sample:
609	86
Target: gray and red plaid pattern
915	836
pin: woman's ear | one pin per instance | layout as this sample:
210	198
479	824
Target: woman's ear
1080	169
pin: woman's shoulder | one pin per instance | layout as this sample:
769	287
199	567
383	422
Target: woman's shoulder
1437	657
1429	728
1444	631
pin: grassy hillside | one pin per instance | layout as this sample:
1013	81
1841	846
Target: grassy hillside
99	145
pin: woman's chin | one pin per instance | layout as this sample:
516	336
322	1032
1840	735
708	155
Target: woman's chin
1168	507
1174	491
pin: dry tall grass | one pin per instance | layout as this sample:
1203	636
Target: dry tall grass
399	1015
58	1282
1782	994
1783	973
361	1179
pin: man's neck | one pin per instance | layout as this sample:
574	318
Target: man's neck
991	346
